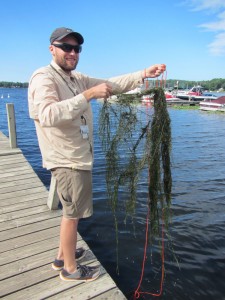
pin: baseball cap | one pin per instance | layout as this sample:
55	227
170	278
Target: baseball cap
61	32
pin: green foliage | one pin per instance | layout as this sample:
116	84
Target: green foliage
211	85
160	179
6	84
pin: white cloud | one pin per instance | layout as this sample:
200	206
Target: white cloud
206	4
216	8
217	47
215	26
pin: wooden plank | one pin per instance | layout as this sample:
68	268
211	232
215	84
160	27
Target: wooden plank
14	255
26	279
16	174
28	220
28	263
87	290
28	212
25	186
23	205
47	283
21	196
28	239
5	151
15	169
21	180
24	192
12	181
38	260
29	228
113	294
13	166
34	276
5	146
16	158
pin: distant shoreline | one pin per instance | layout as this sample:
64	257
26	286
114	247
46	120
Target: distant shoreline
14	87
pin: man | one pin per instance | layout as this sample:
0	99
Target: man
59	102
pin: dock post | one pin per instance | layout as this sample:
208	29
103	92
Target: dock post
53	199
11	125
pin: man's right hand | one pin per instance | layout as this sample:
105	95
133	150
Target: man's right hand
102	90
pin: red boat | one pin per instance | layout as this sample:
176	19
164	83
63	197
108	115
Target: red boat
213	105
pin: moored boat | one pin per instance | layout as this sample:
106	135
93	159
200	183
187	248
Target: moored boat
149	98
196	93
213	105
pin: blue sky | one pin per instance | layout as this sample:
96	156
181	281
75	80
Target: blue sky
120	36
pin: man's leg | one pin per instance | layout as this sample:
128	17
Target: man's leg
68	242
60	252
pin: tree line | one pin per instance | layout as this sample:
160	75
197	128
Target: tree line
10	84
211	85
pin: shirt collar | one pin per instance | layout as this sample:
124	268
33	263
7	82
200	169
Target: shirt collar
60	70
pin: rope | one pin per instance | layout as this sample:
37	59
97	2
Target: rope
137	292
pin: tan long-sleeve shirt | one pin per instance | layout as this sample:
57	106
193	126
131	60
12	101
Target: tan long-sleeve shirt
56	104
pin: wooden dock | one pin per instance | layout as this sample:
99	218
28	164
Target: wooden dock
180	102
29	237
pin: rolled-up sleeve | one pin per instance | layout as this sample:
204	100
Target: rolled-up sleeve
120	84
126	82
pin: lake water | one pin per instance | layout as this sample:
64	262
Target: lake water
195	256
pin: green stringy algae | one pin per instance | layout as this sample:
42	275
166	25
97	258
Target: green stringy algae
160	179
134	140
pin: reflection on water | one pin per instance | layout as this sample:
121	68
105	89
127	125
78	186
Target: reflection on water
195	258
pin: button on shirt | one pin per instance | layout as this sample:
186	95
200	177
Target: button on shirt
57	105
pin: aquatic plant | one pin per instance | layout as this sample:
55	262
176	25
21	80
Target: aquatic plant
133	140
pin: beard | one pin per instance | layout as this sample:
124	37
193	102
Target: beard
68	64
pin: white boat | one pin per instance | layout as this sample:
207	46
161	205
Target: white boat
213	105
147	99
135	91
205	96
196	93
169	98
2	97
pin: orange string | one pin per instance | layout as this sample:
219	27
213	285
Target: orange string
163	79
161	83
137	292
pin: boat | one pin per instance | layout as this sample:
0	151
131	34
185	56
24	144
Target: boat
2	97
134	91
170	97
147	99
205	96
196	93
213	105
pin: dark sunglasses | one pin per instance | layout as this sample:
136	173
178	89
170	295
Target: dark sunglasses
68	48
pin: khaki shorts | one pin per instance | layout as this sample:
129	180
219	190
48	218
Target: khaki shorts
74	188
